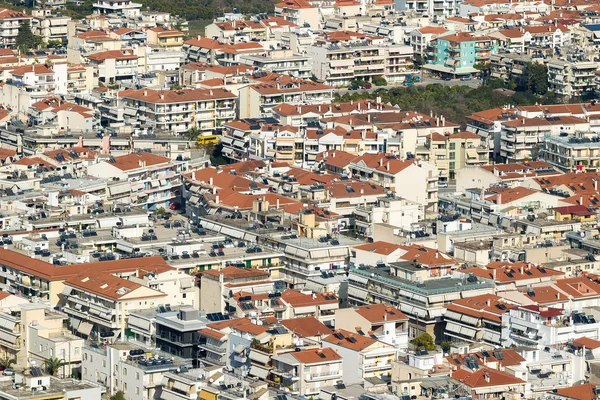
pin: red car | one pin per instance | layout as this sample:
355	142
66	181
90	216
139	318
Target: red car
175	206
367	86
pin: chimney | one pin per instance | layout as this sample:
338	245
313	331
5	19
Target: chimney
499	199
358	105
145	92
369	117
277	204
482	195
522	270
596	185
580	200
368	105
489	303
558	295
362	190
494	273
387	166
437	254
210	181
217	198
385	317
333	154
162	95
381	162
486	376
437	121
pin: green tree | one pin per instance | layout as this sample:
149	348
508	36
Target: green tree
419	61
535	78
193	134
53	364
118	396
25	38
484	69
424	341
7	362
379	81
445	345
160	212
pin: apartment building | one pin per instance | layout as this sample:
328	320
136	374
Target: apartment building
520	138
510	66
212	345
10	20
50	27
572	153
178	111
534	324
388	211
440	8
136	371
305	372
572	78
99	303
299	304
421	37
388	172
299	12
477	319
280	61
177	332
165	38
456	54
257	100
385	323
451	152
145	179
422	301
113	66
362	356
126	8
35	332
216	285
342	56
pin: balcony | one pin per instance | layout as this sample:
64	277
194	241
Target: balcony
320	376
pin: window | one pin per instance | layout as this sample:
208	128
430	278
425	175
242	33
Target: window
452	155
137	376
85	356
124	386
124	371
41	348
51	352
451	165
76	351
137	390
452	145
184	295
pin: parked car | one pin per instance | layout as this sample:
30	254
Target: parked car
175	206
367	86
466	78
446	78
354	87
8	372
408	83
442	184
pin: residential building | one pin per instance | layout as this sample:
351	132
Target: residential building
59	389
372	220
123	7
487	124
489	383
177	332
165	38
178	111
299	304
113	66
342	56
422	301
136	371
477	319
502	174
51	28
10	20
99	303
538	326
386	323
572	153
452	152
456	54
216	286
421	37
280	61
257	100
305	372
145	179
363	356
298	12
572	78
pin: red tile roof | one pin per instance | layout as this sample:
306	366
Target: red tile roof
316	356
486	377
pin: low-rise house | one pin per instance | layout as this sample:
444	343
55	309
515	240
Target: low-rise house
388	324
305	372
363	356
113	66
488	383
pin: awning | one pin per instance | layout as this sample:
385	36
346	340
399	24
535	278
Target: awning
194	200
227	151
187	283
7	337
258	372
130	111
183	387
206	395
471	153
226	140
357	293
119	189
75	323
85	328
239	349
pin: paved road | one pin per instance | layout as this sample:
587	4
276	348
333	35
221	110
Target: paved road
425	81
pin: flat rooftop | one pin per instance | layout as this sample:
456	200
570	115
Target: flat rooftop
428	287
57	387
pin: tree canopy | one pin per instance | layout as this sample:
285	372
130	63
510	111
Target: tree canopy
26	40
53	364
118	396
455	103
424	341
535	78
